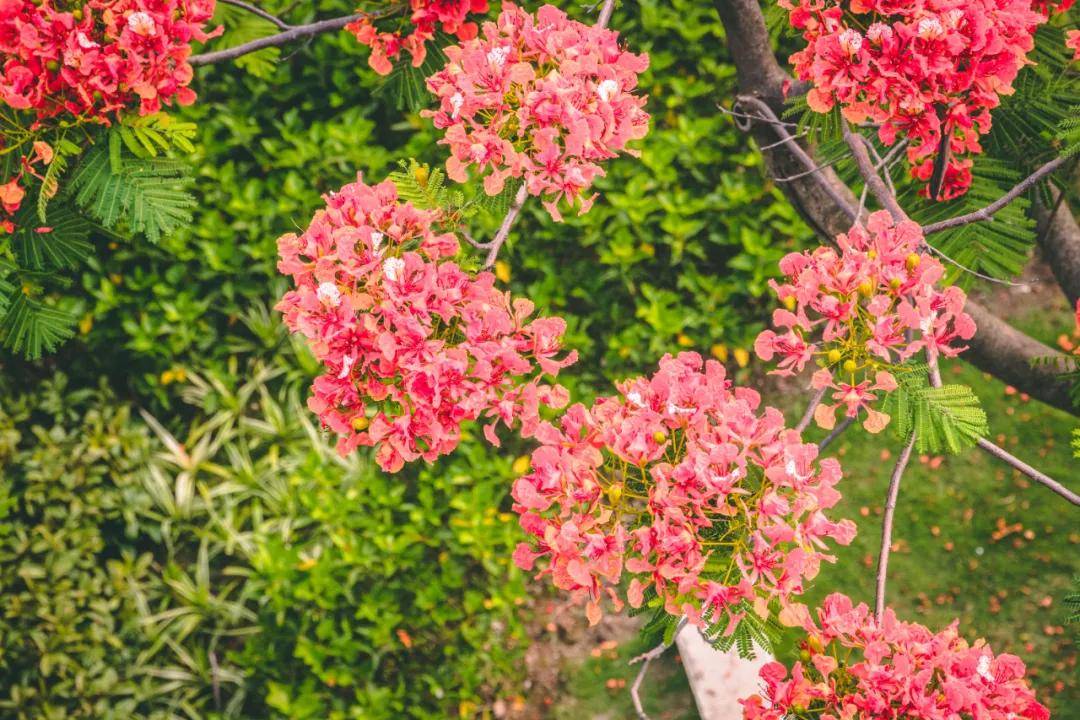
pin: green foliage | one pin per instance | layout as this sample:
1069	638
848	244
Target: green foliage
31	327
240	568
947	418
146	193
425	188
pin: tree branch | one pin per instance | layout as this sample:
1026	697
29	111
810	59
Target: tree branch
646	659
987	213
281	24
810	408
496	242
856	143
1060	243
836	432
295	32
887	525
997	347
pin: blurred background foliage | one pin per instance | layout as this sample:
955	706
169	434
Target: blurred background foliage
176	540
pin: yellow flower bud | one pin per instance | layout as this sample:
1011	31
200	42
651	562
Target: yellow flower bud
359	423
789	302
850	366
912	261
895	283
502	271
521	465
834	356
659	437
866	288
421	174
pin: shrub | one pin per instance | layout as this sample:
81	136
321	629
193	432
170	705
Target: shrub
242	570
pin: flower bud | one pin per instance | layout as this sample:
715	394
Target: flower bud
834	356
912	261
659	437
359	423
895	283
866	288
789	302
850	366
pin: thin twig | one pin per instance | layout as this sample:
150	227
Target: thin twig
508	222
836	432
1017	464
1008	458
809	414
755	118
887	525
880	191
987	212
646	659
766	114
295	32
269	17
797	176
605	13
976	273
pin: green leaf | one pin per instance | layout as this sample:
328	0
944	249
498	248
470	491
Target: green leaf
31	328
65	245
947	418
50	183
407	85
148	193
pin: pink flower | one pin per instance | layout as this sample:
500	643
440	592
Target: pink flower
427	16
542	98
413	346
853	309
686	487
928	70
862	667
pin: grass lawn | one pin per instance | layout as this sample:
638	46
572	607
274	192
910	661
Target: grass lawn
973	541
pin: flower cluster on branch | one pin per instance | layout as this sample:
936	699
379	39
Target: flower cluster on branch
688	487
414	346
544	98
425	17
924	70
99	58
856	666
860	308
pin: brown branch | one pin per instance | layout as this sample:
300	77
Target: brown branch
258	11
887	525
878	188
997	347
1060	244
987	213
837	432
646	659
295	32
810	408
1008	458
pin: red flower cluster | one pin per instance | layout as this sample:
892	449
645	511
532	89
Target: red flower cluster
545	98
450	16
1072	41
921	70
865	297
857	667
413	345
686	485
102	57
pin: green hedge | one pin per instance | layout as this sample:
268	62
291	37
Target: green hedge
241	569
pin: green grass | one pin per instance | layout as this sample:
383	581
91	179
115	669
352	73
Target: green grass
973	541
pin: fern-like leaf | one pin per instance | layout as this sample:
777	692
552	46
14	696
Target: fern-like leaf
31	327
63	150
60	243
407	85
147	192
948	418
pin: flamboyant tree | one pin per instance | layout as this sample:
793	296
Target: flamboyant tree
680	493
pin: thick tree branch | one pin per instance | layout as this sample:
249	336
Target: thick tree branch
1060	243
296	32
870	175
887	525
